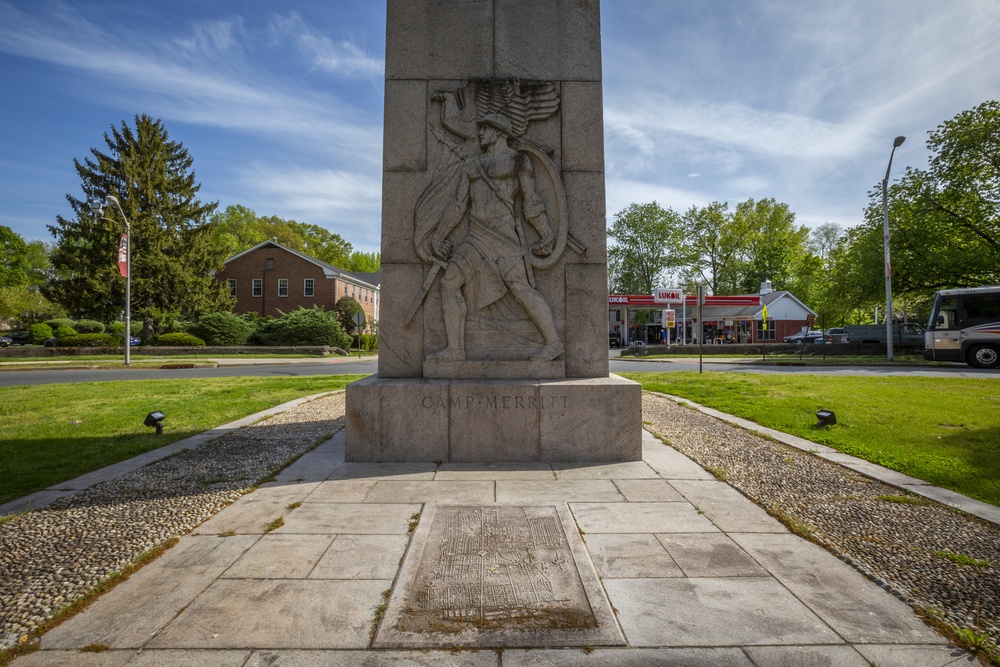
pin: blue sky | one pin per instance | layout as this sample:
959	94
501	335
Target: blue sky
280	103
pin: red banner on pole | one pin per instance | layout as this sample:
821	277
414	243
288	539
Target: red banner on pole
123	256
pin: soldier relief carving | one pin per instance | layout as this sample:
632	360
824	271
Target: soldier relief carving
489	224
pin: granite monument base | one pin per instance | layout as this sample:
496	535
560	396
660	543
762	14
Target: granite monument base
577	420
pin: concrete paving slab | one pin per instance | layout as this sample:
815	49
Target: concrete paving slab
553	490
465	658
797	656
379	471
854	606
640	518
342	491
362	557
274	614
713	612
188	658
615	657
247	516
647	490
627	556
710	555
280	557
283	492
350	519
727	508
628	470
916	656
407	491
127	616
524	470
310	467
75	659
668	462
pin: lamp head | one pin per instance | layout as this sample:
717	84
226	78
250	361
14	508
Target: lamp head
96	206
898	141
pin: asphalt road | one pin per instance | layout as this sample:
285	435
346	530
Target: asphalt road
299	367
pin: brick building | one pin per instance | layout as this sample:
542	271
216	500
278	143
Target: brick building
270	277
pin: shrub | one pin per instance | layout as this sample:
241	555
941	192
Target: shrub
346	307
89	326
63	330
304	327
89	340
39	333
60	322
178	338
222	329
369	342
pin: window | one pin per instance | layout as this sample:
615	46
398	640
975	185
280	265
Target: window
258	287
282	286
308	287
269	263
765	334
232	288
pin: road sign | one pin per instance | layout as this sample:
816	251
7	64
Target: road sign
810	318
359	318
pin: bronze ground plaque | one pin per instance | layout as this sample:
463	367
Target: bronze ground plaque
497	575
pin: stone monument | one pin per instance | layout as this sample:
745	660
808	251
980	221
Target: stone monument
492	338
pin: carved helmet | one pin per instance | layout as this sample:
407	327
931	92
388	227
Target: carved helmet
498	121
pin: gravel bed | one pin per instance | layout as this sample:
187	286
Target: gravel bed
51	557
899	545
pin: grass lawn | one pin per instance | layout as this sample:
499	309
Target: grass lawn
53	433
943	430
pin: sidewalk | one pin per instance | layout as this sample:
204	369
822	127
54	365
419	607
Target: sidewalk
695	574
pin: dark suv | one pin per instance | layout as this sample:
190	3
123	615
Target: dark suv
19	338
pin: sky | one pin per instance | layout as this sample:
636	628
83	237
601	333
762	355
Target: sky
280	103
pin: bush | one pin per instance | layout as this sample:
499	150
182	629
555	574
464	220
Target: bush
346	307
60	322
369	342
89	326
63	330
222	329
304	327
89	340
178	338
39	333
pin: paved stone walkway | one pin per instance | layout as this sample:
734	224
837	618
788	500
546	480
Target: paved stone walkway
295	574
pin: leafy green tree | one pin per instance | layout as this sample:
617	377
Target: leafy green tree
312	326
648	251
365	262
345	308
23	267
239	228
944	222
774	247
174	255
715	240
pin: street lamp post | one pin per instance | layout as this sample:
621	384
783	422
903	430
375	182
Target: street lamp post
896	143
97	207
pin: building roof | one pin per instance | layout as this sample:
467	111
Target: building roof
373	280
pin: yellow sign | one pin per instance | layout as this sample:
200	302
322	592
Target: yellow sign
763	317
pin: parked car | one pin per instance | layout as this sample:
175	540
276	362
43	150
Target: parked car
4	341
19	338
133	341
614	339
809	338
837	335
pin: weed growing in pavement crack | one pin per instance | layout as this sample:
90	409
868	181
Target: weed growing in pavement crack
414	521
274	525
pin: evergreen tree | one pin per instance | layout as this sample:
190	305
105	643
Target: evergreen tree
173	254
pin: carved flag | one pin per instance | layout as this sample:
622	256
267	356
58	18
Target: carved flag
123	256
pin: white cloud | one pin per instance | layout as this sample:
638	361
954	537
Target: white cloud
343	58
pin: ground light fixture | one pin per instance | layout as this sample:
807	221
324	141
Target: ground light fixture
826	418
153	420
97	208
